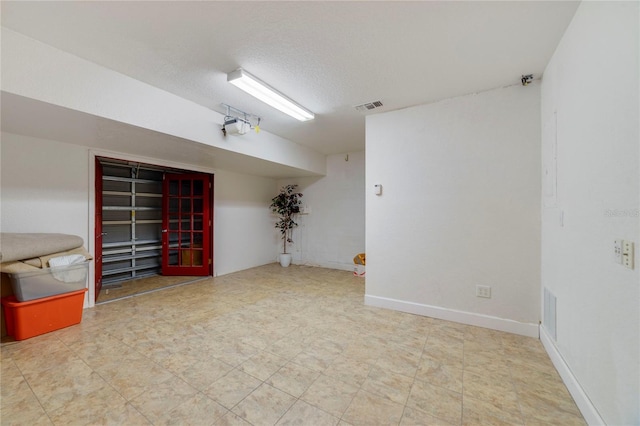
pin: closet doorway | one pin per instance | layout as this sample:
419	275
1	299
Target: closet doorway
154	227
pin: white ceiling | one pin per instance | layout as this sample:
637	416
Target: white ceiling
329	56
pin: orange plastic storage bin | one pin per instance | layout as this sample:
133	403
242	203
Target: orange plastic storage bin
35	317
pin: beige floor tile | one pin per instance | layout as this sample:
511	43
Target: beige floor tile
32	349
55	389
162	398
25	413
314	360
366	350
521	358
193	353
36	362
327	346
302	414
96	351
179	360
496	390
198	410
448	330
531	379
232	388
286	347
202	374
446	352
439	374
491	338
231	419
493	345
486	363
416	417
330	395
542	408
398	360
234	353
293	379
412	341
522	344
134	375
262	365
89	407
8	368
264	406
15	390
369	409
436	401
348	370
392	386
476	412
126	415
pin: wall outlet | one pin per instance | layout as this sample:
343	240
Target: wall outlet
483	291
627	254
617	251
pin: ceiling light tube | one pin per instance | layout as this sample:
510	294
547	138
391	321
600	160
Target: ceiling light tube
253	86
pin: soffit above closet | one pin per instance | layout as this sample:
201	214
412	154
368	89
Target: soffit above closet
328	56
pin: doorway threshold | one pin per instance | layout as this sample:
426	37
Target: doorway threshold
144	286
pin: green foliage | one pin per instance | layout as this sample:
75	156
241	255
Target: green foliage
286	205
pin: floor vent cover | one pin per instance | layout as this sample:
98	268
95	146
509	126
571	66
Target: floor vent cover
368	106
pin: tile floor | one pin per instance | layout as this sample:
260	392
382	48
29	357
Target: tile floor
269	346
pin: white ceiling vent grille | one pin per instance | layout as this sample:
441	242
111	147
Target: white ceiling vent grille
368	106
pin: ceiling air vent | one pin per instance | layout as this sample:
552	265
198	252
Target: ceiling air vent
368	106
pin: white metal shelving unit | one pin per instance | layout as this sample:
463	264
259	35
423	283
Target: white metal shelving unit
132	222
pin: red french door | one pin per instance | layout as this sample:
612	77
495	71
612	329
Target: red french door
186	224
98	229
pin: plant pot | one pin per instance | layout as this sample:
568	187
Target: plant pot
285	259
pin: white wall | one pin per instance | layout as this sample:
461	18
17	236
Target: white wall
243	235
333	232
46	187
460	207
592	83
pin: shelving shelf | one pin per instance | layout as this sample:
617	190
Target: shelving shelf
131	208
131	269
131	222
138	255
128	243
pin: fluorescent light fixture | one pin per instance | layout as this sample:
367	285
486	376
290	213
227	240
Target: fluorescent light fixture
253	86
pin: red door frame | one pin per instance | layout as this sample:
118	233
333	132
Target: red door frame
187	224
98	230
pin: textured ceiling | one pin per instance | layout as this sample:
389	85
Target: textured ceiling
328	56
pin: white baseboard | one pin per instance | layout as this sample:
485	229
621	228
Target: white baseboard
583	402
469	318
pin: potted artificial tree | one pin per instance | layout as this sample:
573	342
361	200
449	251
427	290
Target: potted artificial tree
286	205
